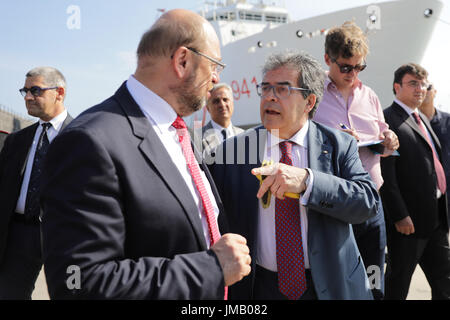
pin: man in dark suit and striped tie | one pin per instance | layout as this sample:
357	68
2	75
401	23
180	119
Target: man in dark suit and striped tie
20	167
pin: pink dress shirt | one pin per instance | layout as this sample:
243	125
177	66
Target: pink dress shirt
363	113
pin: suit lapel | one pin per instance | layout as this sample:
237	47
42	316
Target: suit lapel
28	140
412	123
319	150
152	148
66	122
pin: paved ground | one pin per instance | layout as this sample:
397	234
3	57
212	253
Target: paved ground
419	290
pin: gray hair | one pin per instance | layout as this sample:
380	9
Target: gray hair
222	85
311	75
51	76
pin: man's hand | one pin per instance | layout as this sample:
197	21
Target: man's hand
352	132
390	142
234	257
405	226
281	179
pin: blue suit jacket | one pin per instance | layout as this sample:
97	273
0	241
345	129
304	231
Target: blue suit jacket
342	194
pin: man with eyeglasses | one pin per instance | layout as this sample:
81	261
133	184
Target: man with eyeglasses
125	197
414	193
21	161
297	220
440	122
352	107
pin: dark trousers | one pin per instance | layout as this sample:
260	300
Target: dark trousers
22	261
266	286
370	237
405	252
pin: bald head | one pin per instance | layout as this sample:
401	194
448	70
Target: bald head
173	29
173	63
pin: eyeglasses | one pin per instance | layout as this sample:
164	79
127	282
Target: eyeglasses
347	68
280	91
417	84
35	90
219	66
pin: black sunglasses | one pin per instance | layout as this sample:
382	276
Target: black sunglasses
35	90
346	68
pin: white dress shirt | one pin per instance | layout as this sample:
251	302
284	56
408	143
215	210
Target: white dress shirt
52	132
266	241
161	116
219	128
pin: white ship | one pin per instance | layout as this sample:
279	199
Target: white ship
398	32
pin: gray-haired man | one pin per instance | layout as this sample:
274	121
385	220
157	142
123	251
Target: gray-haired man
220	106
20	166
300	238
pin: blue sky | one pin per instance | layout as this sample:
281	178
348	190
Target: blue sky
99	56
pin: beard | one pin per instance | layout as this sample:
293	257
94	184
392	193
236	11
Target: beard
189	96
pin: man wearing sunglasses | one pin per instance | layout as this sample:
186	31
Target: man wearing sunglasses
351	106
21	162
415	192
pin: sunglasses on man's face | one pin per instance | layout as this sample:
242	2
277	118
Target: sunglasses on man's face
347	68
35	90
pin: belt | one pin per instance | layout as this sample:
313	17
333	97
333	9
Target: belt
30	220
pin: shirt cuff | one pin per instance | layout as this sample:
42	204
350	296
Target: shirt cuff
304	199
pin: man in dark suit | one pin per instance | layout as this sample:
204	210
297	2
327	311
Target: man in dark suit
220	106
128	211
414	193
440	122
320	258
20	166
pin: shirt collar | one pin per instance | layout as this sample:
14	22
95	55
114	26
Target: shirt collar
151	104
219	127
300	138
405	107
57	121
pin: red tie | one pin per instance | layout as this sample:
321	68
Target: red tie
290	260
442	185
194	169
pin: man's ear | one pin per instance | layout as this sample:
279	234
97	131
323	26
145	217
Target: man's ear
61	93
311	102
396	87
327	59
180	61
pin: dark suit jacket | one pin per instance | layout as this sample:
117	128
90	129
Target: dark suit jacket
115	206
3	135
342	194
441	126
409	187
13	161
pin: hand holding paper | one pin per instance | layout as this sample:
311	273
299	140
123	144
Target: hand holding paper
281	180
